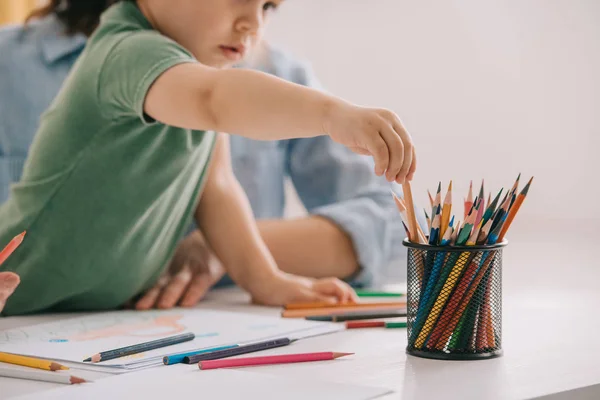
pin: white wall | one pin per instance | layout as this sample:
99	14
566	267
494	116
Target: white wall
487	88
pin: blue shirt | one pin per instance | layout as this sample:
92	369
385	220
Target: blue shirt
331	181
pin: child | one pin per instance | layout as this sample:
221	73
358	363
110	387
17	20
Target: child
116	170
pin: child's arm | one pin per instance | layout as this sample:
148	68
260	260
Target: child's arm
260	106
225	217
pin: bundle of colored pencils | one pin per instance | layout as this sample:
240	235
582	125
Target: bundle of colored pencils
455	288
482	224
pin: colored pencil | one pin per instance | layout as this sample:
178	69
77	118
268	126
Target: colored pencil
236	351
31	362
430	198
514	209
435	229
463	304
427	219
446	211
480	210
355	316
11	247
140	347
336	310
178	358
469	200
404	214
44	376
343	306
271	360
489	212
410	209
483	234
371	293
454	301
374	324
445	285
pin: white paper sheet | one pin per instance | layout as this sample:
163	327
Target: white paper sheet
185	381
73	340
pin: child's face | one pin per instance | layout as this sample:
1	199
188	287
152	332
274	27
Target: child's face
219	33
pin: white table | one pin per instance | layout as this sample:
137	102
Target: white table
550	334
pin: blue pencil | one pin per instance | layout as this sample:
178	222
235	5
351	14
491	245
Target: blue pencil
178	358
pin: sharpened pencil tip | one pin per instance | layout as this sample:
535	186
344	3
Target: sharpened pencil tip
88	359
75	380
338	355
439	187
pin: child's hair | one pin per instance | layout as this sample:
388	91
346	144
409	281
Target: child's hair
78	16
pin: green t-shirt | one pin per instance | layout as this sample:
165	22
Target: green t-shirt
106	192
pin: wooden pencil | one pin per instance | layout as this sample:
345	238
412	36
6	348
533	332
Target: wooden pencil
469	200
445	285
271	360
31	362
448	331
337	310
454	301
404	214
361	315
140	347
410	209
239	350
341	306
446	211
483	234
427	219
430	198
44	376
514	209
374	324
11	247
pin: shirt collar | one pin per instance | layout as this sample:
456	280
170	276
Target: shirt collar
55	43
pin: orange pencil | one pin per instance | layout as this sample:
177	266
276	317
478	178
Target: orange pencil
341	306
11	246
315	312
430	198
410	209
514	210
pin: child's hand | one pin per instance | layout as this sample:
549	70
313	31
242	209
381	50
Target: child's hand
193	270
375	132
286	288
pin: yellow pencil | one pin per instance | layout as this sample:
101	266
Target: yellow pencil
31	362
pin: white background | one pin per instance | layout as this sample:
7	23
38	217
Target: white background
487	88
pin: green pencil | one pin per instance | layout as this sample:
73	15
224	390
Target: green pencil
370	293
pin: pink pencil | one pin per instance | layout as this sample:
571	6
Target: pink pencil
269	360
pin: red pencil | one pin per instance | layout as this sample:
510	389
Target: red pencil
10	247
268	360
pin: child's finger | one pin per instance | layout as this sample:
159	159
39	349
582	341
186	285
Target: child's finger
334	287
395	150
196	290
413	167
175	288
148	300
379	151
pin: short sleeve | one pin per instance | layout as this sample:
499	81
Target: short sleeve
131	68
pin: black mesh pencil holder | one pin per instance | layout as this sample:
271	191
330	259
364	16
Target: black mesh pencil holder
454	301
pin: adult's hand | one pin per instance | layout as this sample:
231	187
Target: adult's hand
8	283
